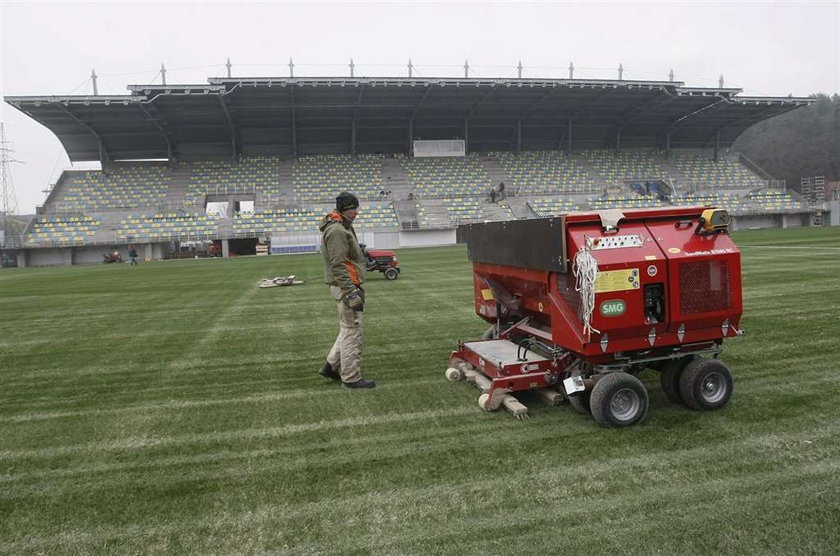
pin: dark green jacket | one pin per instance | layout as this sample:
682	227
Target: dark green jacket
344	262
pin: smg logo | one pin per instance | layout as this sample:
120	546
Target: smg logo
613	308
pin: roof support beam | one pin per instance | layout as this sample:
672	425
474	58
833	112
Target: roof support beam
466	134
481	101
234	144
541	100
680	123
103	152
410	135
294	124
353	120
594	103
643	107
422	101
155	120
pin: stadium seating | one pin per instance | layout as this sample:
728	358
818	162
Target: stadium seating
448	177
167	226
773	201
449	191
306	221
376	215
624	202
615	168
316	179
223	177
552	206
544	172
118	188
299	221
701	171
64	230
728	201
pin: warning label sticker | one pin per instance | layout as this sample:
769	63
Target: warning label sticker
617	280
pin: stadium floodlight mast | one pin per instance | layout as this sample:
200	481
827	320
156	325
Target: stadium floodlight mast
9	199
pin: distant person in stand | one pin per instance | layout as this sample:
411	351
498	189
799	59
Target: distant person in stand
492	194
344	272
501	191
132	254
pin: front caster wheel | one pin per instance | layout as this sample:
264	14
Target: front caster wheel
619	400
706	384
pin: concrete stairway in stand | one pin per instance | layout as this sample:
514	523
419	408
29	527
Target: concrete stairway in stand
177	197
497	174
395	179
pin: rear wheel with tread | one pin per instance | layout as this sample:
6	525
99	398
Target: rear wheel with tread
706	384
619	400
391	274
670	377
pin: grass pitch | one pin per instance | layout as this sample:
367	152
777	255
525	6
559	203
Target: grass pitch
176	407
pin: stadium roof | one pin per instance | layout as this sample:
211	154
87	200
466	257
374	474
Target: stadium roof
296	116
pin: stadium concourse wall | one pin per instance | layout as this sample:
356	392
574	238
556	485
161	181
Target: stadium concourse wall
85	254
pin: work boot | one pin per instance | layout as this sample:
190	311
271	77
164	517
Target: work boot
362	384
328	372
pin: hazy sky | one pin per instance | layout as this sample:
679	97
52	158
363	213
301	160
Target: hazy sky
49	48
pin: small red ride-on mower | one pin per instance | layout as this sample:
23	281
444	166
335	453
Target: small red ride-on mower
383	261
579	304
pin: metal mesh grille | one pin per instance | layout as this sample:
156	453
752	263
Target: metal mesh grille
704	286
566	288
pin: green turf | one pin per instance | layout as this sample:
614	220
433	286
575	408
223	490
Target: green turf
175	407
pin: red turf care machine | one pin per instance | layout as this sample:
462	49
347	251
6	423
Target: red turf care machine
579	304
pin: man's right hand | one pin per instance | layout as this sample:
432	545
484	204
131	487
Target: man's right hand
355	299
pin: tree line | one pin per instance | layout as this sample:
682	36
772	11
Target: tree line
801	143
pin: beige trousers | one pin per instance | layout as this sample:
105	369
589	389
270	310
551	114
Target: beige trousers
346	353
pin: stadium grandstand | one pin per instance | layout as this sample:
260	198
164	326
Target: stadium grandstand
236	165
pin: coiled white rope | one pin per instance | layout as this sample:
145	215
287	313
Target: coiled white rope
585	269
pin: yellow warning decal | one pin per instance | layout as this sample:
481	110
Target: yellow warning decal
650	257
487	294
617	280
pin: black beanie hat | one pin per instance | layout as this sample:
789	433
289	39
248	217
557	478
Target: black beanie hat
346	201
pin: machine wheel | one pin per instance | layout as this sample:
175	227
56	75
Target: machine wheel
391	273
619	400
483	402
454	375
670	377
706	384
580	403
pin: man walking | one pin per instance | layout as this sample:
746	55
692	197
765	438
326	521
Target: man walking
344	271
